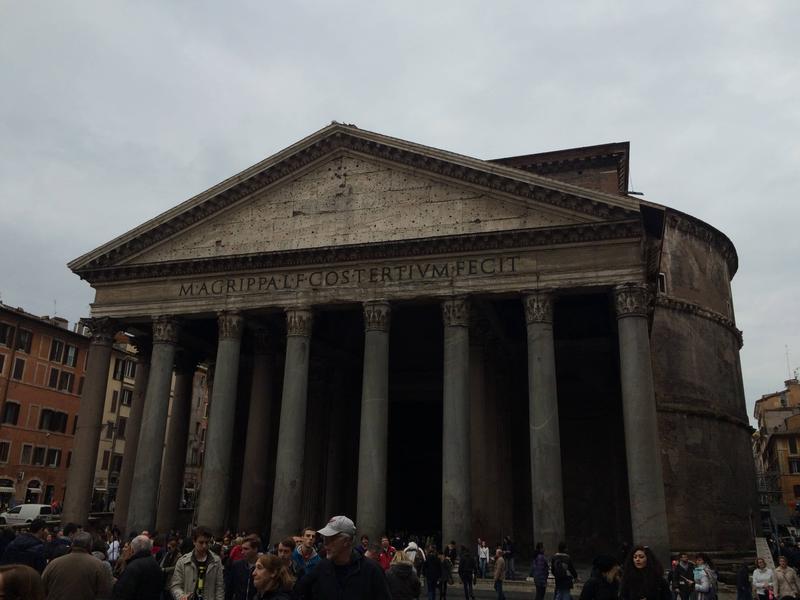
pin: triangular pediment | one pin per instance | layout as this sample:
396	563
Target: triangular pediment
343	186
349	200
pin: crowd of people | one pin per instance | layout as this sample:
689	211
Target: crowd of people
331	563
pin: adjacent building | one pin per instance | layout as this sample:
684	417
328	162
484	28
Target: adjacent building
116	412
42	366
776	445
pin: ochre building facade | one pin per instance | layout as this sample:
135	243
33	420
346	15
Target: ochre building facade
431	343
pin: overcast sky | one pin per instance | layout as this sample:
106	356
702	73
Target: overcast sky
113	112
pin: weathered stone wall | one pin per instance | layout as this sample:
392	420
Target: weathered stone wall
350	200
709	474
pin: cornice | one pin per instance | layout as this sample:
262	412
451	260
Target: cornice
476	172
707	234
498	240
703	413
703	313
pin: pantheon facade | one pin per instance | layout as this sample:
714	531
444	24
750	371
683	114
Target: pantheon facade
429	342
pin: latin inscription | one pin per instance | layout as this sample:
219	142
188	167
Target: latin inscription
468	267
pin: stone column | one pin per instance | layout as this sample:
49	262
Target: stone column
373	449
255	486
212	506
456	499
143	349
645	480
146	473
171	485
286	503
80	476
545	445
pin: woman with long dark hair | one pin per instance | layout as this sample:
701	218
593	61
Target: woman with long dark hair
642	577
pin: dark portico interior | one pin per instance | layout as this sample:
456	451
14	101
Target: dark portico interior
590	415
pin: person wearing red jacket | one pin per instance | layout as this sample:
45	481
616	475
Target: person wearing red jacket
387	553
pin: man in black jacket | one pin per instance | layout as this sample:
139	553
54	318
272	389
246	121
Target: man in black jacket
142	578
343	574
28	547
239	574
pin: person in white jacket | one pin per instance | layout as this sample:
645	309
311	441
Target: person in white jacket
763	580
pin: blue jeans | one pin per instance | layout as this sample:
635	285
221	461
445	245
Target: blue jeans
498	587
562	594
482	567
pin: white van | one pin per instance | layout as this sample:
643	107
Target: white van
25	513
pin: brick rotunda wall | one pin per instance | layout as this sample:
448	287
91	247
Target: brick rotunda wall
709	474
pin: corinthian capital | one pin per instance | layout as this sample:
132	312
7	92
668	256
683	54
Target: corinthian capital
377	316
455	312
165	330
230	324
538	307
632	300
103	330
299	321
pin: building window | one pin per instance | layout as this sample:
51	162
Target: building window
792	445
24	340
19	369
2	363
65	382
114	396
53	420
10	413
75	425
39	455
25	454
106	456
80	386
794	466
109	430
127	397
5	451
662	283
783	400
116	463
71	356
6	334
130	369
69	459
119	369
53	381
53	457
56	350
121	428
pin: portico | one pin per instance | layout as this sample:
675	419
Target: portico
403	290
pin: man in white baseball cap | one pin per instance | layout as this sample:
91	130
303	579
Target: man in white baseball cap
344	574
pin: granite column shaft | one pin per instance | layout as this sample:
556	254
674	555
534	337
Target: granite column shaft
545	445
147	472
172	470
456	498
287	498
80	476
645	478
212	504
255	485
374	437
134	426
